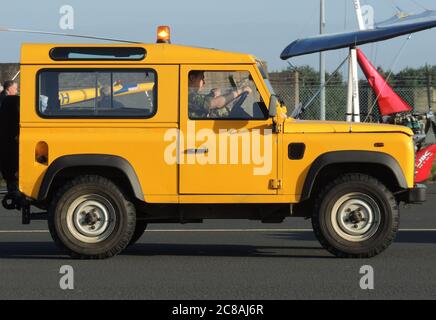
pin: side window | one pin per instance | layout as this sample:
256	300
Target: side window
106	94
224	95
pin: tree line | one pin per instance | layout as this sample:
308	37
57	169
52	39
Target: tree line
407	77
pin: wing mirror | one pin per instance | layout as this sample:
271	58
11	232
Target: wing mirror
273	106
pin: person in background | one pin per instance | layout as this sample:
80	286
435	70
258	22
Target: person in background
10	88
9	130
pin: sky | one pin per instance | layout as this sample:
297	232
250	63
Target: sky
260	27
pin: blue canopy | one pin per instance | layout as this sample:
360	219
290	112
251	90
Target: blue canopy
386	30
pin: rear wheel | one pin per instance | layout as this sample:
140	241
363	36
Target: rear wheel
90	218
355	216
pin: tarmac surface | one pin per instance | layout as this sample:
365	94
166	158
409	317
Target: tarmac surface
224	259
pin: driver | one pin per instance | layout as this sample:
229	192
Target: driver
213	105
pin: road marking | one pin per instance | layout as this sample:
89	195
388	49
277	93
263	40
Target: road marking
413	230
229	230
217	230
24	231
257	230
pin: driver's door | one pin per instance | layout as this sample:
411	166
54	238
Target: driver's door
232	151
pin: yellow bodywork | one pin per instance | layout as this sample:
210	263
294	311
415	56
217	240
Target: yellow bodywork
142	142
323	137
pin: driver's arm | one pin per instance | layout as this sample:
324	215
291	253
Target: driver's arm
221	101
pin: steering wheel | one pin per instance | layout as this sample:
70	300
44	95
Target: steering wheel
237	110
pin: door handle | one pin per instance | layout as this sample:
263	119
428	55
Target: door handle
195	151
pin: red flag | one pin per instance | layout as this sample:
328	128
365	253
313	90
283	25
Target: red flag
389	102
424	162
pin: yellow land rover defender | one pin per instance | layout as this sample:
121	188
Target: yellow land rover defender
115	137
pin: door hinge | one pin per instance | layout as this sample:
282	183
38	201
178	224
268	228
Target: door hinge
277	128
275	184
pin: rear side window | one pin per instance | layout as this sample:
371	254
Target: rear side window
97	93
97	53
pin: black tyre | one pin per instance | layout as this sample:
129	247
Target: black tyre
90	218
355	216
139	231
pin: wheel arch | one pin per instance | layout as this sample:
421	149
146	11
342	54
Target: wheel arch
377	164
106	165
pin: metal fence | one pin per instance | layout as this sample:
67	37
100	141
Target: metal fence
336	100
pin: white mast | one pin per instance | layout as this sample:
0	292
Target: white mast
353	103
359	15
322	23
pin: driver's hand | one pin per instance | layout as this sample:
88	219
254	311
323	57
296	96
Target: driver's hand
247	89
215	92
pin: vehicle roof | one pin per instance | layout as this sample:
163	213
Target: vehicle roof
156	54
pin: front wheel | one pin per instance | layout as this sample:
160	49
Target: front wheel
90	218
355	216
139	231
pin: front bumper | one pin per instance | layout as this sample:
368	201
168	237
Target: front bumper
415	195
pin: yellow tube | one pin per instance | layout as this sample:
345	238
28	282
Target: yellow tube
68	97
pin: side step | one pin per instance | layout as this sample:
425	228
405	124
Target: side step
27	216
18	202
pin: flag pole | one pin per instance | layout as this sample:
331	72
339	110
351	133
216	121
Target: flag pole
322	66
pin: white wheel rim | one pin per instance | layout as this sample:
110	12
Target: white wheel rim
91	218
355	217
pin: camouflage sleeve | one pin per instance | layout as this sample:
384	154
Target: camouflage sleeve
199	105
